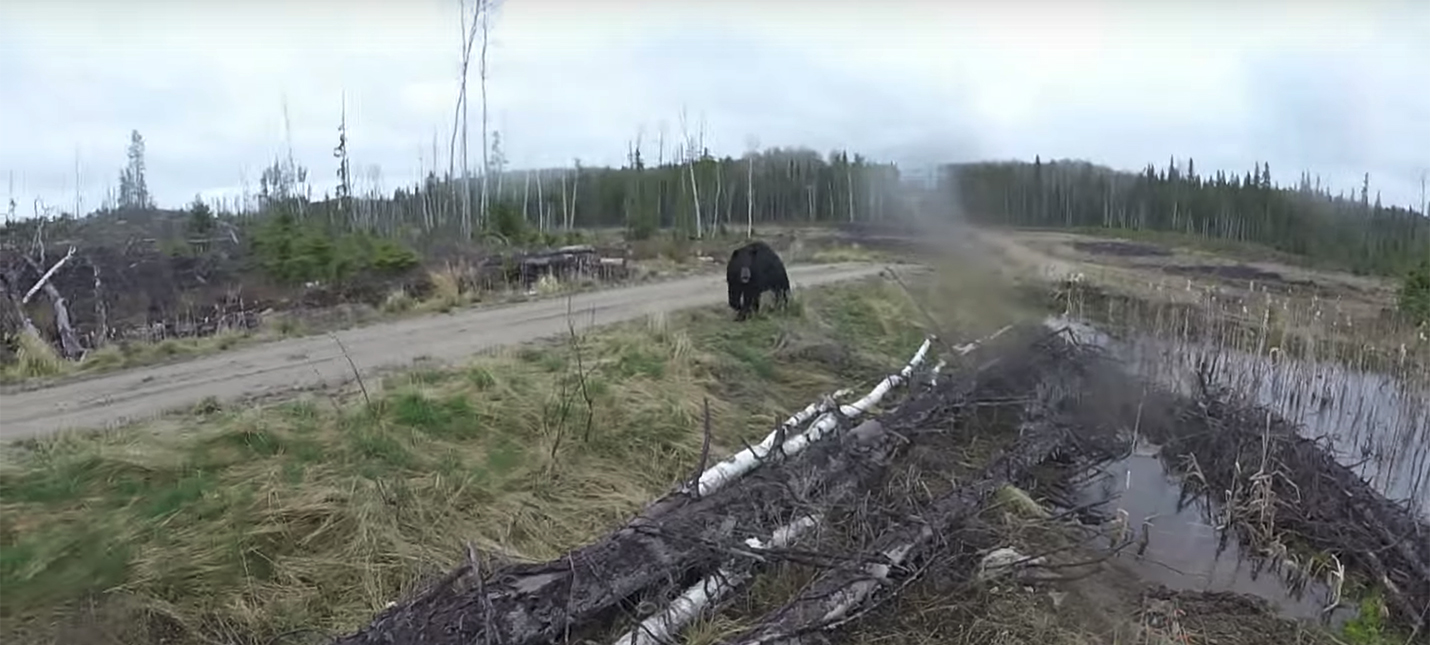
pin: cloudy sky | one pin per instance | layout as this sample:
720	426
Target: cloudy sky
1334	87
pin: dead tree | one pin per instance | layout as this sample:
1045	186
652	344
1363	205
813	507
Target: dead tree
70	346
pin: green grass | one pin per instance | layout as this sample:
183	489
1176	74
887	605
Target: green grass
1368	627
244	523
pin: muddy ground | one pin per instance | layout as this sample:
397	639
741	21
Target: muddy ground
918	511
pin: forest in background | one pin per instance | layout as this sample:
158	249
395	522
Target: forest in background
1354	232
285	233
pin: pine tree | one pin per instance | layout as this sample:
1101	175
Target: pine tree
133	189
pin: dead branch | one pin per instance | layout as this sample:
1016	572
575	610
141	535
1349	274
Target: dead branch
679	536
356	374
540	602
838	595
45	278
704	448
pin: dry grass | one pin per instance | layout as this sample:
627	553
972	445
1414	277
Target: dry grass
39	362
453	286
242	523
35	359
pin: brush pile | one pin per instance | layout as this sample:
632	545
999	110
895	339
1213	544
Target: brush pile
793	497
870	506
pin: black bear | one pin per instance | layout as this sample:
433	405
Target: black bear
754	269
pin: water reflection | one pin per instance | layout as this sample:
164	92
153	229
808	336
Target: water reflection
1375	425
1185	551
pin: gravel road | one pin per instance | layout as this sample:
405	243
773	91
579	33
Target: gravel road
271	369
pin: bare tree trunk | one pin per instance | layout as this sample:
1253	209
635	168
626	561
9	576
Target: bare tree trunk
459	119
540	204
79	199
849	179
565	205
100	312
484	15
575	192
692	154
525	197
719	193
750	199
659	153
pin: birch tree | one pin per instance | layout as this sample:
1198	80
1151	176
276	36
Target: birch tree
484	15
692	154
471	25
752	147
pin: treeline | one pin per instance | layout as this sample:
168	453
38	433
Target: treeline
691	197
295	236
1355	232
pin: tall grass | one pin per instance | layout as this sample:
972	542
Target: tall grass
233	525
35	359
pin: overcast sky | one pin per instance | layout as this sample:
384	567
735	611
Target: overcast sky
1336	88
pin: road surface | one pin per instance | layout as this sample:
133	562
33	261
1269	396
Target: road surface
271	369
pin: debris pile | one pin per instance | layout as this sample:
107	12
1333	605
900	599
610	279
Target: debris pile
869	506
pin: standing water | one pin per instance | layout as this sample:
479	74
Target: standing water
1375	425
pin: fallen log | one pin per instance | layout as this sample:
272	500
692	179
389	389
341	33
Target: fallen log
872	437
542	602
536	603
45	277
677	540
70	346
836	595
748	459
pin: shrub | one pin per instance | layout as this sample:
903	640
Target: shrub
506	220
291	251
1415	293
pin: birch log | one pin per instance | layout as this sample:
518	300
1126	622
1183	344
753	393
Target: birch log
838	594
750	458
660	628
572	597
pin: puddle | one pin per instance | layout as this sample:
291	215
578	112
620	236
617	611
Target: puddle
1375	425
1185	551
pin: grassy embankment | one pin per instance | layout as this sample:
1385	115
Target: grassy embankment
239	524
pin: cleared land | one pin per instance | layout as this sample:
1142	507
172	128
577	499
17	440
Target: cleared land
296	364
299	521
255	520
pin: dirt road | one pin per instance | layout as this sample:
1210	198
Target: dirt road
273	368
